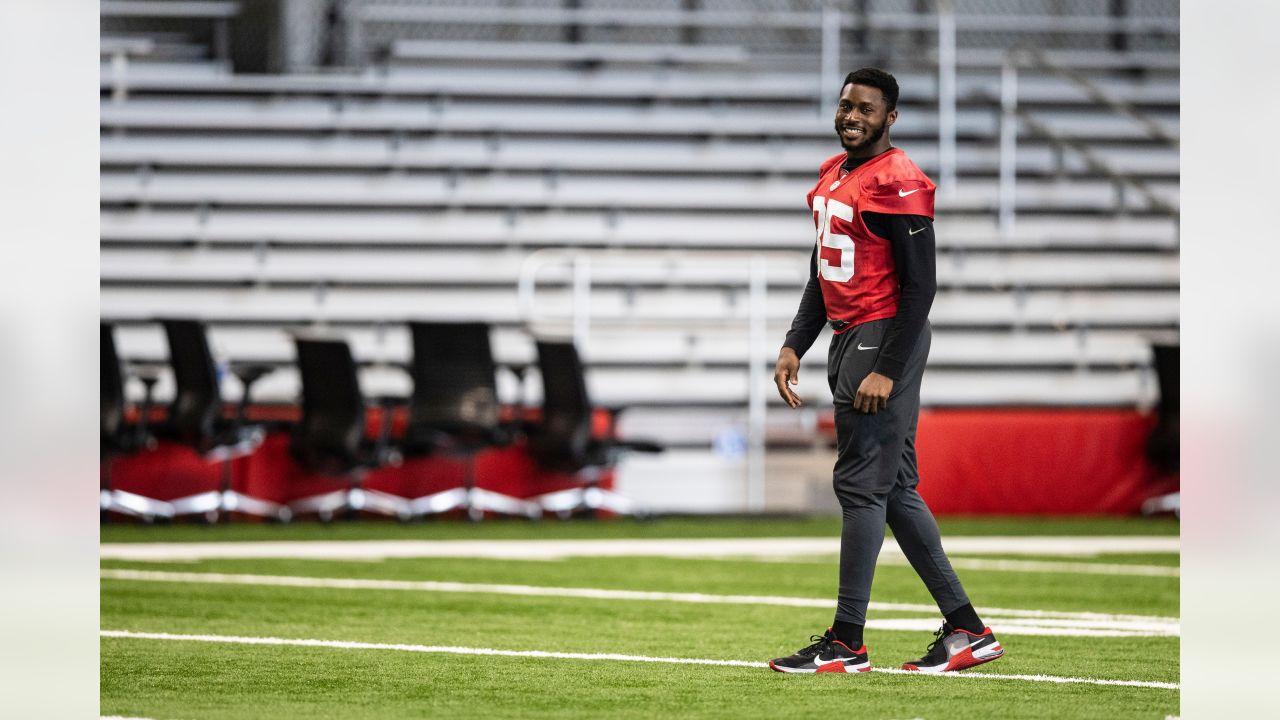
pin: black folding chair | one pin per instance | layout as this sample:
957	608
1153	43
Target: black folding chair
1164	442
120	437
330	438
454	412
196	420
563	441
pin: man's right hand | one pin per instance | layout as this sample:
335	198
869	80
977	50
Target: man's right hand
787	373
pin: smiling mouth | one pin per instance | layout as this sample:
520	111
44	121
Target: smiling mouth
852	132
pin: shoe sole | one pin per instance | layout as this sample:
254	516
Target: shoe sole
962	661
835	667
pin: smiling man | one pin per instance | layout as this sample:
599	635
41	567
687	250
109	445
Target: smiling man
873	281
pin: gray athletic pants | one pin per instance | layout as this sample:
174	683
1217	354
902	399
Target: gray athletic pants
875	475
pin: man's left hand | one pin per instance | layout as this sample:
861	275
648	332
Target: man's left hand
873	394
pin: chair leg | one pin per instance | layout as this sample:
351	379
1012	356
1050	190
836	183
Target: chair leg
137	505
324	505
440	502
1163	503
598	498
561	502
207	503
588	497
489	501
235	501
476	501
239	502
380	502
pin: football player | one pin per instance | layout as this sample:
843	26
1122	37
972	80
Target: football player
873	282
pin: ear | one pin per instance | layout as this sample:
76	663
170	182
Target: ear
891	118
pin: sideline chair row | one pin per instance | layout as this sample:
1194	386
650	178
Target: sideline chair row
453	411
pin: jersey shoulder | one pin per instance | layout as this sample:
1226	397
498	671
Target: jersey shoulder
897	168
896	186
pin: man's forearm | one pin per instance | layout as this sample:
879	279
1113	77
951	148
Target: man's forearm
913	245
810	316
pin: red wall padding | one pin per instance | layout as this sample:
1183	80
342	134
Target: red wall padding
172	471
971	462
1059	462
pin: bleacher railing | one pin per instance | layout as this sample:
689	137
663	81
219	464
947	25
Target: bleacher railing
581	264
1011	115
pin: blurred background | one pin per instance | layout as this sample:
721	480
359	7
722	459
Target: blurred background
369	212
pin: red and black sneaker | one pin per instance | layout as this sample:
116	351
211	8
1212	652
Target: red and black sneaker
826	654
956	649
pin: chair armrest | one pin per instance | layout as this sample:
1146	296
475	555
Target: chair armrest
248	374
514	429
383	453
644	446
148	375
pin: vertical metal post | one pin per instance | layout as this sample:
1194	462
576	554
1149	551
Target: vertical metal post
947	97
1008	143
581	301
527	283
756	382
119	71
829	64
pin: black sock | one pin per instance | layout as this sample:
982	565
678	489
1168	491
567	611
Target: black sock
848	633
966	618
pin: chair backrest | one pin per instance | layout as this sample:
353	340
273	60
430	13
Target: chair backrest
197	401
329	434
454	385
112	387
1168	374
565	432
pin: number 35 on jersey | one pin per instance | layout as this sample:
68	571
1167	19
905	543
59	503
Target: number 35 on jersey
824	209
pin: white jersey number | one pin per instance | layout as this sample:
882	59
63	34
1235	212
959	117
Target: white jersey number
826	209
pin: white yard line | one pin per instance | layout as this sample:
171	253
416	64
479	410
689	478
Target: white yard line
1008	621
1075	568
443	649
635	547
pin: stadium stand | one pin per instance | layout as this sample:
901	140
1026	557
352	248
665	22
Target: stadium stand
402	188
147	15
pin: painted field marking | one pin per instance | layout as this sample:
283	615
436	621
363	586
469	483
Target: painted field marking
633	547
890	557
1074	568
450	650
1011	621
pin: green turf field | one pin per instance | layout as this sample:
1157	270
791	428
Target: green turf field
384	602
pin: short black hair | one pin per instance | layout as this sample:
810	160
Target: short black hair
876	78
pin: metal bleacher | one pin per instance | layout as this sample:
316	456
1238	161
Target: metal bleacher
670	144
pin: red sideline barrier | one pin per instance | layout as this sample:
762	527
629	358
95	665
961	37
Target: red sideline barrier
972	462
172	470
1036	462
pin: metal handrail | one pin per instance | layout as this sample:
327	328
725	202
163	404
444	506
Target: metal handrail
1097	164
1011	114
1037	58
581	261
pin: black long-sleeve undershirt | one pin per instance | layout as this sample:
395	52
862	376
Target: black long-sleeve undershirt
912	240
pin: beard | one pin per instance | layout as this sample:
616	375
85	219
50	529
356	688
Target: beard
868	139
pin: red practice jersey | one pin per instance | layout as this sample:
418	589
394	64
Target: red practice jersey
855	266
